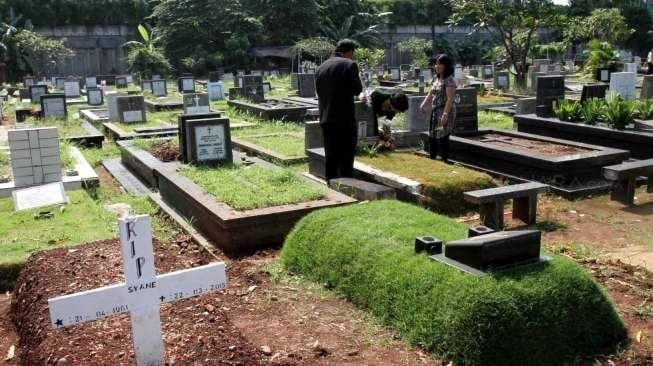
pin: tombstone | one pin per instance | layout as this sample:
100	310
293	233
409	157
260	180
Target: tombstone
146	86
90	82
121	82
624	84
502	80
59	83
36	92
129	78
54	105
313	135
182	120
71	89
207	141
488	72
267	87
525	106
29	81
196	103
142	293
544	69
550	89
156	77
593	91
131	109
395	74
647	87
466	110
159	88
428	75
108	80
254	92
630	67
215	90
306	85
556	69
94	96
257	73
186	84
603	74
35	156
534	77
637	60
23	93
458	75
365	121
417	121
112	105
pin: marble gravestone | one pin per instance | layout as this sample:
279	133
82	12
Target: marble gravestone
142	293
90	82
36	92
112	105
215	90
131	109
94	96
647	87
196	103
54	105
395	74
71	89
550	89
365	121
159	88
459	76
603	74
466	110
502	80
48	194
146	86
417	121
624	84
186	84
306	85
208	141
35	156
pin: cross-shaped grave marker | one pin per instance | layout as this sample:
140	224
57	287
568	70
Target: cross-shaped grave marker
141	294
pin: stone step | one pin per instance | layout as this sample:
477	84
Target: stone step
126	179
362	190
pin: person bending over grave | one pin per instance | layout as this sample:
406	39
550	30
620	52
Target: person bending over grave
443	116
386	104
337	83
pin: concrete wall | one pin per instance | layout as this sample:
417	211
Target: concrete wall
97	49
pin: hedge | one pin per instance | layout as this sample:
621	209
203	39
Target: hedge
543	314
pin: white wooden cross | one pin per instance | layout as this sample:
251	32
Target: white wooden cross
141	294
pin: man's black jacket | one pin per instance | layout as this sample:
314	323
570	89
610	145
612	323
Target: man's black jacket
337	83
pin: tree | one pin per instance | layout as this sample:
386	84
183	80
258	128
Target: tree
604	24
639	19
300	20
418	49
600	54
145	59
513	23
364	31
369	58
40	53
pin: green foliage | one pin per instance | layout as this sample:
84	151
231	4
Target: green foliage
488	119
361	27
72	12
607	25
414	12
645	109
568	110
41	53
369	58
600	54
593	110
618	113
640	20
418	49
284	21
315	48
542	314
145	62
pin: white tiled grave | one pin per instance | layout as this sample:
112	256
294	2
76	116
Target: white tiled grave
35	156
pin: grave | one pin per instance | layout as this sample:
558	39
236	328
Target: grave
488	72
215	90
525	106
362	190
417	121
207	141
395	74
112	105
59	83
54	105
196	103
94	96
252	88
40	196
29	81
90	82
106	80
36	92
306	85
624	179
603	74
550	90
186	84
365	121
35	156
466	110
146	86
647	87
630	67
71	89
428	75
121	82
502	80
593	91
313	135
534	78
624	84
131	109
182	121
159	88
142	293
273	109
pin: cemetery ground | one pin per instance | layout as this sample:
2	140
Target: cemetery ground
268	314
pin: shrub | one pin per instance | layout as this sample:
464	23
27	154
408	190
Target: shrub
567	110
618	113
593	110
541	314
645	109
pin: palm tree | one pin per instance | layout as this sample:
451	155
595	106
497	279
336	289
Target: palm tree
145	58
366	36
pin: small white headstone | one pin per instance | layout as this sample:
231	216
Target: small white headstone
624	84
91	82
71	89
39	196
210	143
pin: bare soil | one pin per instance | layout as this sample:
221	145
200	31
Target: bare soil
165	151
530	145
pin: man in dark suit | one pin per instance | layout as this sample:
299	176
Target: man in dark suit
337	83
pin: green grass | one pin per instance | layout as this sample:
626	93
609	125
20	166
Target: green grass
493	99
290	145
443	184
83	219
487	119
245	188
536	315
95	156
67	160
157	119
66	128
5	164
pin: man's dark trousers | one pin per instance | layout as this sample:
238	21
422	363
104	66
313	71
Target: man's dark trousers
340	149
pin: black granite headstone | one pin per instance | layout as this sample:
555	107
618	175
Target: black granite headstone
466	110
94	96
306	85
550	89
131	109
593	91
109	80
209	141
159	88
36	91
54	105
182	120
186	84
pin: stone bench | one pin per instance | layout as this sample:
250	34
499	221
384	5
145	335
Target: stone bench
624	179
362	190
492	201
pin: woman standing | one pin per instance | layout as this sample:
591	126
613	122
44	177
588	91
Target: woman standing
443	117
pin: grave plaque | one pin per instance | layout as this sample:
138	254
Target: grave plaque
36	92
550	89
365	120
502	80
112	105
395	74
71	89
121	82
59	83
306	85
146	86
209	141
196	103
182	120
54	105
416	121
159	88
215	90
488	72
39	196
108	80
593	91
91	82
647	87
624	84
141	294
466	110
94	96
35	156
630	67
131	109
186	84
603	74
252	87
